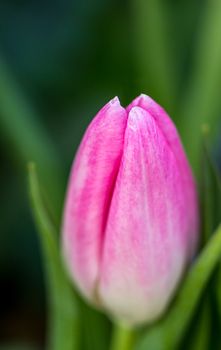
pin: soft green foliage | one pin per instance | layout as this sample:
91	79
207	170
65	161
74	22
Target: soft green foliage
156	63
51	85
27	135
210	188
64	321
201	102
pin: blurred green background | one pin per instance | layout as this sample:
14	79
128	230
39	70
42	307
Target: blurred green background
60	62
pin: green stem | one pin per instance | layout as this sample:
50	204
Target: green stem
122	338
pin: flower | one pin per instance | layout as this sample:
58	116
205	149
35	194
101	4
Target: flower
130	223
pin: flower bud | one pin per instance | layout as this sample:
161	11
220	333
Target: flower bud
130	222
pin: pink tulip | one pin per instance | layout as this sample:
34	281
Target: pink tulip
131	218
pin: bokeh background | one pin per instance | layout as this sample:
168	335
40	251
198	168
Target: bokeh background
60	62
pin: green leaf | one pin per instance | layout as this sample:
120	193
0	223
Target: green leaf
211	202
201	102
169	332
198	336
95	329
210	189
63	321
21	129
153	48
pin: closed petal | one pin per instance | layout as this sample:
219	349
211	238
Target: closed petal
167	127
89	193
145	247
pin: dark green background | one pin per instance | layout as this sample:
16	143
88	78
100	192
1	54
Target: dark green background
60	61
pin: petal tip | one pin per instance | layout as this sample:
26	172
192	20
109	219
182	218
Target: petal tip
115	101
145	97
113	105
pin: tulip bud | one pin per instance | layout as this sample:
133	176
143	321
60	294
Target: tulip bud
130	222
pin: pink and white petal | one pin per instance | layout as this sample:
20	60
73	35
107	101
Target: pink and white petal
145	249
89	192
167	127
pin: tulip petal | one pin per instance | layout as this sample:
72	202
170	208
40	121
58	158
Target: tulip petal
89	194
170	133
145	248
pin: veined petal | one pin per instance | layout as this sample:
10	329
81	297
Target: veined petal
145	248
89	193
167	127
